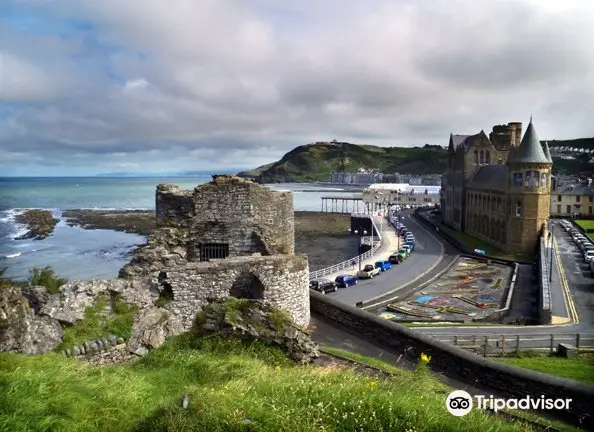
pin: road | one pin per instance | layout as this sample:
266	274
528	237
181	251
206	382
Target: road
429	251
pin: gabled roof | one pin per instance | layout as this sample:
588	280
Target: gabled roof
463	141
492	177
530	150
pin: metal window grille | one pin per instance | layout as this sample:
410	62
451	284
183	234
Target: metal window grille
210	251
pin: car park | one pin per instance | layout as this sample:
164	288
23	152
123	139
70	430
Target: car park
344	281
368	272
383	265
323	285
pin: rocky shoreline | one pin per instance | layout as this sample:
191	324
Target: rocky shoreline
40	224
323	237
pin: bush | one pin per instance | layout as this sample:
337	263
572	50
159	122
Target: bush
46	277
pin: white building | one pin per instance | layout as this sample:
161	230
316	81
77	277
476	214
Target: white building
382	194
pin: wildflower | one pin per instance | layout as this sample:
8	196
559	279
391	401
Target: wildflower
277	368
424	358
371	385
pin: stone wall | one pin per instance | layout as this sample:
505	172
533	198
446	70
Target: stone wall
280	280
510	381
111	350
248	217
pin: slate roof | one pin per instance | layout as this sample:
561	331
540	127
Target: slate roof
547	152
530	150
463	141
492	177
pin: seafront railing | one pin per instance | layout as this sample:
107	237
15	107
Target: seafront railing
352	261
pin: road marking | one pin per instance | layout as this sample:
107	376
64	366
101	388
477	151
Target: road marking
573	315
429	270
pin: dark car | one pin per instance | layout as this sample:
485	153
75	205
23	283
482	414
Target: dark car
344	281
323	285
395	258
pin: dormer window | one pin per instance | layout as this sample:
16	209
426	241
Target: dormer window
476	161
481	157
488	157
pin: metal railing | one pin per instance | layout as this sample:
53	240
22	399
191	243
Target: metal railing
498	345
352	261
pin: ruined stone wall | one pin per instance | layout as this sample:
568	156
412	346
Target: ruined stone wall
280	280
249	217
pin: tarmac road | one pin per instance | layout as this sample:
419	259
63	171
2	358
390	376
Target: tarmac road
428	253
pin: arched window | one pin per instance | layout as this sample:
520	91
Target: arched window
488	157
481	157
476	161
518	208
499	204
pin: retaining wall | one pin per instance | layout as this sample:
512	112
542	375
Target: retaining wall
544	286
509	381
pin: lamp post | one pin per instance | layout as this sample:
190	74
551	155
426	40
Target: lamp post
364	234
551	262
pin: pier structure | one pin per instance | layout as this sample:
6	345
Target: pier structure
344	203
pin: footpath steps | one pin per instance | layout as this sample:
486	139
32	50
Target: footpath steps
390	244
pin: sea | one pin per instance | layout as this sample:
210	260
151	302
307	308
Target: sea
77	253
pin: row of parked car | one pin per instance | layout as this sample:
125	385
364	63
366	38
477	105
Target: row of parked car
407	240
369	271
583	242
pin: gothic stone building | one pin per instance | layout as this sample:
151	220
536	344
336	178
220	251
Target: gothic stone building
497	188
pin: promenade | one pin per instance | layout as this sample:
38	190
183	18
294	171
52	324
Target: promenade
390	244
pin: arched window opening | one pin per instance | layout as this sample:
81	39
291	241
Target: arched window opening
476	160
481	157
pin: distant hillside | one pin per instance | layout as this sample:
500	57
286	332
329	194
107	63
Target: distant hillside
584	143
315	162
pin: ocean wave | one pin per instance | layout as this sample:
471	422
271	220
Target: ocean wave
115	208
14	255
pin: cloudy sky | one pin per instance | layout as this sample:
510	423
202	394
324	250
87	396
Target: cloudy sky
95	86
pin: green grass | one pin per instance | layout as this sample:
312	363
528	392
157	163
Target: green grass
232	386
579	369
476	243
97	325
587	225
417	324
397	372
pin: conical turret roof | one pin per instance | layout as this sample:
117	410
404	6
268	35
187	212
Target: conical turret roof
529	150
547	152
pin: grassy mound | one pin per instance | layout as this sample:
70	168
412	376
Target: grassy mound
232	386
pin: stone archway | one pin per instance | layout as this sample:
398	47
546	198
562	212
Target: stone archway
247	286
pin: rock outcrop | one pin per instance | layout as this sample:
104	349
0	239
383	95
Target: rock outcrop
40	224
21	330
256	320
151	328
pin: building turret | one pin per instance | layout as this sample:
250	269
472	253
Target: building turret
529	192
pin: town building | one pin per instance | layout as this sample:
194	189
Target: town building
381	194
571	197
498	188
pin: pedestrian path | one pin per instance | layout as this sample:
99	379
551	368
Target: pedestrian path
390	244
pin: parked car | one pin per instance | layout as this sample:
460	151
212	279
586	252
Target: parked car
404	251
383	265
368	272
411	245
323	285
589	256
396	258
344	281
592	268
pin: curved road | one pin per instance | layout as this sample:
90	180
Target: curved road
428	253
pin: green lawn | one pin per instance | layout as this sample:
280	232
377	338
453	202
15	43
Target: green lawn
579	369
587	225
232	386
476	243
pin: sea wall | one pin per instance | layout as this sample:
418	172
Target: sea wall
509	381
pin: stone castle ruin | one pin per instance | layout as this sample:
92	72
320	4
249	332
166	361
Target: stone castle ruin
227	238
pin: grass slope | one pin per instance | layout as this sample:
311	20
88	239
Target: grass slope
315	162
232	386
587	225
579	369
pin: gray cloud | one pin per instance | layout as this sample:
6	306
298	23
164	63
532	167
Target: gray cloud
208	84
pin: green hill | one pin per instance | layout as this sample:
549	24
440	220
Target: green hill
315	162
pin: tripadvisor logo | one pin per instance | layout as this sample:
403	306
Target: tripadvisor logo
459	403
